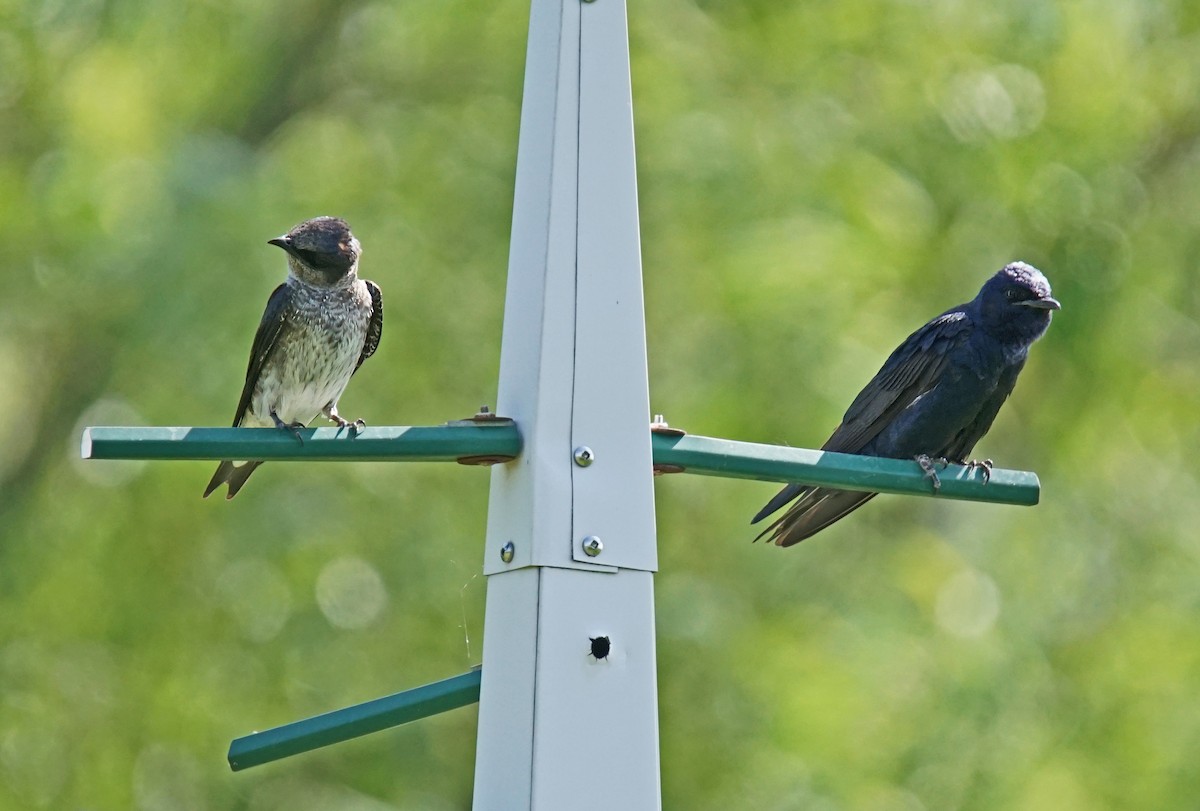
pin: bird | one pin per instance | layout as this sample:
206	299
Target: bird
933	399
318	328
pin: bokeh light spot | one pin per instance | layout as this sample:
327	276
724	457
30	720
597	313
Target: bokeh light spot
350	593
968	604
256	595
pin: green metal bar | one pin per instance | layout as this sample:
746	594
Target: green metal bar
746	460
496	440
352	722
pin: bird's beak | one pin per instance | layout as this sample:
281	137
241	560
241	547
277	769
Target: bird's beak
1047	303
284	241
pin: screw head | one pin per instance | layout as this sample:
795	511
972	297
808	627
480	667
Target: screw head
507	551
584	456
592	546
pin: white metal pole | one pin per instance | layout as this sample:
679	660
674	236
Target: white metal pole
570	541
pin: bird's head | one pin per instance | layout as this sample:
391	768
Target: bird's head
321	251
1016	304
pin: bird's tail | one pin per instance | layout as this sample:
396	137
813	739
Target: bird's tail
233	473
815	509
782	497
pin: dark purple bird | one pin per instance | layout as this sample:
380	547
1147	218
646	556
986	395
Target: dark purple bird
934	398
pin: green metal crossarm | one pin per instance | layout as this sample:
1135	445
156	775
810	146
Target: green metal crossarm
353	722
747	460
467	441
498	440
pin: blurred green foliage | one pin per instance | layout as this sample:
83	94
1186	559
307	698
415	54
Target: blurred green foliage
816	179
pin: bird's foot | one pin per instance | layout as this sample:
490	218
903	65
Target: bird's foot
982	464
930	467
342	423
293	427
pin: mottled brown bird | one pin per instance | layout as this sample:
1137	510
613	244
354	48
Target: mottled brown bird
318	328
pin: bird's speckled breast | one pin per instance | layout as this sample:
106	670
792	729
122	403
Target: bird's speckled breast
316	352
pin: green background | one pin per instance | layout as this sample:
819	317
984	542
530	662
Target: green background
816	180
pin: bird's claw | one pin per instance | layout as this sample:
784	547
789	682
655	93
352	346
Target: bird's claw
929	466
984	465
291	427
342	423
353	427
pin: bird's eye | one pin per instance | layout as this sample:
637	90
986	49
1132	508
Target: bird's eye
1011	294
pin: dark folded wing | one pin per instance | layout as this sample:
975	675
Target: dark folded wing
912	370
374	326
269	328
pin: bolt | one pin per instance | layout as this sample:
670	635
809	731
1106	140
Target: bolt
506	552
592	546
584	456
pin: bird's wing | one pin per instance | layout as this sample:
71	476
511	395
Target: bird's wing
912	370
374	326
269	328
